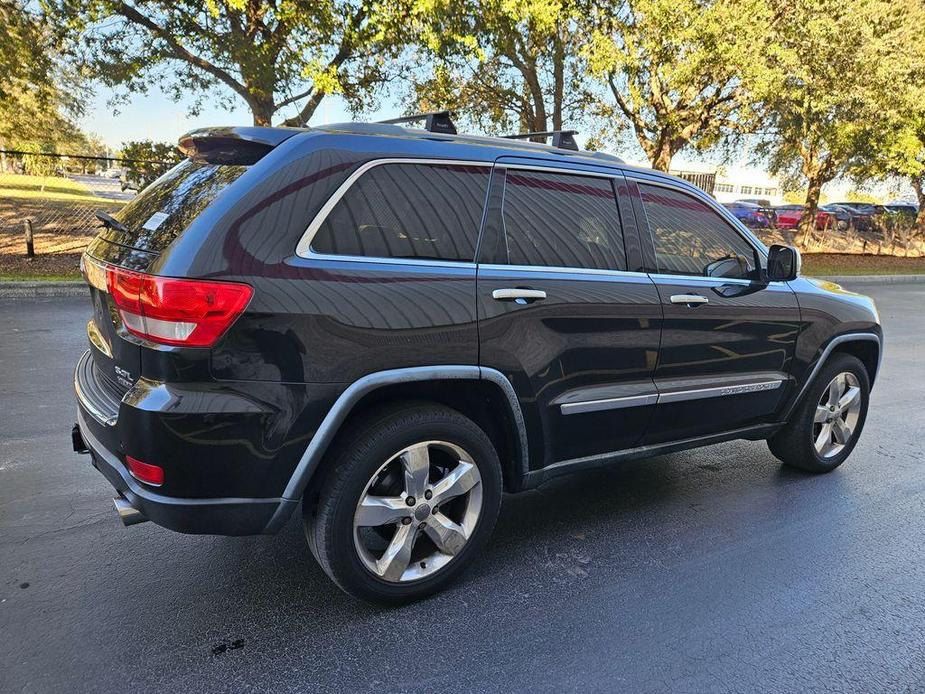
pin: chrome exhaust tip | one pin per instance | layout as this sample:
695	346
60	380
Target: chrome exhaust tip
128	514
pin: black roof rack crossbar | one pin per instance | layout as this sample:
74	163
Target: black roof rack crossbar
434	121
562	139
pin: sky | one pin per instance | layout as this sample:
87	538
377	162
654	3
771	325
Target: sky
154	116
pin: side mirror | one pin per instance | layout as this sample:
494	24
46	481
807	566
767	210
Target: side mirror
783	263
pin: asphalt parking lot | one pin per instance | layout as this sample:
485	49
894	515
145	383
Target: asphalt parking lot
710	570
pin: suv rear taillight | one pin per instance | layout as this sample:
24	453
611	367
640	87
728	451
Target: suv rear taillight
170	311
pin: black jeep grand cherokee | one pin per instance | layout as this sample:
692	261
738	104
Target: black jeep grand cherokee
392	326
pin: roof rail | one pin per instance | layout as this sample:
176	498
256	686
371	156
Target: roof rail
434	121
561	139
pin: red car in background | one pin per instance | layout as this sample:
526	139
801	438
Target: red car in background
789	216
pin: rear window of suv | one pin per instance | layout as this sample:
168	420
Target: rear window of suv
161	212
416	211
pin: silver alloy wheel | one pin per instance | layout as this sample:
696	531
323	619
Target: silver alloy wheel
837	415
432	519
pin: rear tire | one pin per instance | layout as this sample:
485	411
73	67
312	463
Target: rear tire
826	425
411	498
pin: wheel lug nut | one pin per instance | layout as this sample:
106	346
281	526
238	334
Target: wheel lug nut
406	521
411	501
428	494
421	525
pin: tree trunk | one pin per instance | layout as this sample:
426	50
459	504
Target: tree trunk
262	112
661	155
918	184
808	221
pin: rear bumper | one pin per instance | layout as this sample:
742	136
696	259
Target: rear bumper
196	516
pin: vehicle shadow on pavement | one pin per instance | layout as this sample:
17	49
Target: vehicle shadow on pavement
606	521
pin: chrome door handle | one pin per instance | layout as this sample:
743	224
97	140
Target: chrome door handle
689	299
520	295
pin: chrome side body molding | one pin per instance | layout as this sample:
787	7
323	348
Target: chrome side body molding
675	392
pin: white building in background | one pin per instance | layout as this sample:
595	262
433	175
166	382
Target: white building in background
736	182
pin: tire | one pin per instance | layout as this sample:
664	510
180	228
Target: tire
453	453
797	443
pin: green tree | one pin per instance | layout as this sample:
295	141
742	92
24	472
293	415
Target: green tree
504	64
903	156
21	65
146	160
674	67
272	54
834	80
38	97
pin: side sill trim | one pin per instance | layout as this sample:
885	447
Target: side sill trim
833	343
332	422
535	478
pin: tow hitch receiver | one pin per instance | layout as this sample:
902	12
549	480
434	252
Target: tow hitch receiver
77	440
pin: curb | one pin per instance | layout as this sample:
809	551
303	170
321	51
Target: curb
849	280
32	290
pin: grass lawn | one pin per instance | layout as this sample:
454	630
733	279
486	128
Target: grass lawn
63	218
47	188
823	264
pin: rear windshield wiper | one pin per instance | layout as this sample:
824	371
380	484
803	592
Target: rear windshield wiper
110	221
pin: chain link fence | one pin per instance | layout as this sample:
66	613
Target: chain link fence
48	206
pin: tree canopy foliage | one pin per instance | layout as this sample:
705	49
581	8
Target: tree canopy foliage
278	56
505	64
674	68
834	82
39	96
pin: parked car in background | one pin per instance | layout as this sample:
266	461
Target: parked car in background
846	217
131	180
114	172
861	214
901	208
766	207
750	214
863	208
789	216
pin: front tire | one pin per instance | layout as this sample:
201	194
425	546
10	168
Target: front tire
411	498
826	425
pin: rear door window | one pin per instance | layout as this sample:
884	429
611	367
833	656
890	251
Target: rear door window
415	211
561	220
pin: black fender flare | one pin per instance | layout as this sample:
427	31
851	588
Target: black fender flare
826	353
345	403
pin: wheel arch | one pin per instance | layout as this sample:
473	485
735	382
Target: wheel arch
463	388
868	347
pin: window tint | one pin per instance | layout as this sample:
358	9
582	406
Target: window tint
163	210
428	211
690	238
560	220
